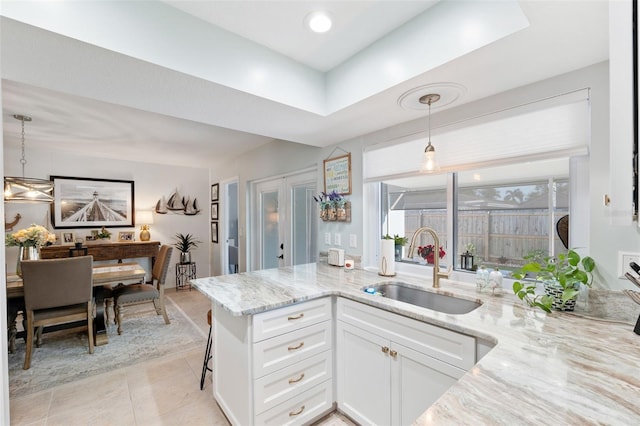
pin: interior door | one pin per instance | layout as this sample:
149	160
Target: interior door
283	218
230	223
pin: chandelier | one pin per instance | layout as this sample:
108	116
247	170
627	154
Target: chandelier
24	189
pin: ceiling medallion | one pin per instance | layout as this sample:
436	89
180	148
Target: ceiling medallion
449	93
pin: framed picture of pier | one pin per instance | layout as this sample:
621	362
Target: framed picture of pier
92	203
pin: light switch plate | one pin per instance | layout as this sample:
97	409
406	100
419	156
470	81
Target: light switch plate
353	241
624	258
327	238
337	239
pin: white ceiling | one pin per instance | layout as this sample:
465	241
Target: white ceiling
107	103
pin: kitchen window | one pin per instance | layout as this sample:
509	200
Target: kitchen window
498	214
506	179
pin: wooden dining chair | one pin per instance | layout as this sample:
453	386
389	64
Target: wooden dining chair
140	293
57	291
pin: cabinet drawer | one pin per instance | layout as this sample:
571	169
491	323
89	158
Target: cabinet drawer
449	346
282	351
300	409
279	321
276	388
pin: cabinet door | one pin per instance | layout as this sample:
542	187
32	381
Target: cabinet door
417	381
363	373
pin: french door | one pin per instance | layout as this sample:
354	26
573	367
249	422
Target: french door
284	221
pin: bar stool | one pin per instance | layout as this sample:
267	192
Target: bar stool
207	354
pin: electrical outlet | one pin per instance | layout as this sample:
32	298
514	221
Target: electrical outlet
327	238
353	241
337	239
624	258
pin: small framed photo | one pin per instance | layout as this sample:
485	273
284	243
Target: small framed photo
214	192
67	238
214	232
126	236
214	211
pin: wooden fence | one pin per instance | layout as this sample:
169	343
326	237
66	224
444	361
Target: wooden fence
500	237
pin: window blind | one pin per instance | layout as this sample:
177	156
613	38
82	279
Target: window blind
549	128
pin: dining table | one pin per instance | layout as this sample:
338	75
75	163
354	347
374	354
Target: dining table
103	275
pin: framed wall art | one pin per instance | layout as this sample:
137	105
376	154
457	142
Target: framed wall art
214	211
92	203
337	174
214	232
214	192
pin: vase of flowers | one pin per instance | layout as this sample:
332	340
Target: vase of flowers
29	240
333	206
428	253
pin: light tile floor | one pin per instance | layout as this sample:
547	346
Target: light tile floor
162	391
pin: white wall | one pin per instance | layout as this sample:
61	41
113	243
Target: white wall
152	181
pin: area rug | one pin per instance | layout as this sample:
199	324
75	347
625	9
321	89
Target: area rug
64	356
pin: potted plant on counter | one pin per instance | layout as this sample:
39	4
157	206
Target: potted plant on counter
399	243
562	277
184	244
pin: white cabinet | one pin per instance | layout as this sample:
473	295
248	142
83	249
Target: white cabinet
275	367
363	372
390	368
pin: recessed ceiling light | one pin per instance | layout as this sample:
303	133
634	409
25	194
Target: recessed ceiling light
318	22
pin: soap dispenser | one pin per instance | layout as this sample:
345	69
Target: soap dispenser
482	278
495	282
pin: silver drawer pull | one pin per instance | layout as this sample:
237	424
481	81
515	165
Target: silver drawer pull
296	317
296	413
293	348
292	381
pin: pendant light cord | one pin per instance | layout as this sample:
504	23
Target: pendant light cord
429	123
23	159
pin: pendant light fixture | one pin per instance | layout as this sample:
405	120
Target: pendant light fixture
429	163
23	189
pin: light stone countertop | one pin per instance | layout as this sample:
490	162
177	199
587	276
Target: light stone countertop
544	369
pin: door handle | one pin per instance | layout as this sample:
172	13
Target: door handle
281	246
281	256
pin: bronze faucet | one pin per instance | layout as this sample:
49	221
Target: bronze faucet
436	258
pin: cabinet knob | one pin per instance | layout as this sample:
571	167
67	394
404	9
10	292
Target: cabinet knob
293	348
393	353
385	350
296	413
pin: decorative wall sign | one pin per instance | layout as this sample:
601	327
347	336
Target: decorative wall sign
92	203
337	174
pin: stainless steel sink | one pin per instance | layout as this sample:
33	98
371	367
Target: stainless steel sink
438	302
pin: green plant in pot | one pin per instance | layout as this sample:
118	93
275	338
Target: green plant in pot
399	242
186	242
562	277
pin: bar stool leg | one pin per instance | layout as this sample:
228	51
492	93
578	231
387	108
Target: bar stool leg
207	354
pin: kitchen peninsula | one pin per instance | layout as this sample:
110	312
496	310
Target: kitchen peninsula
529	367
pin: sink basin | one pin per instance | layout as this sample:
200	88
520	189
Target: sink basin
415	296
